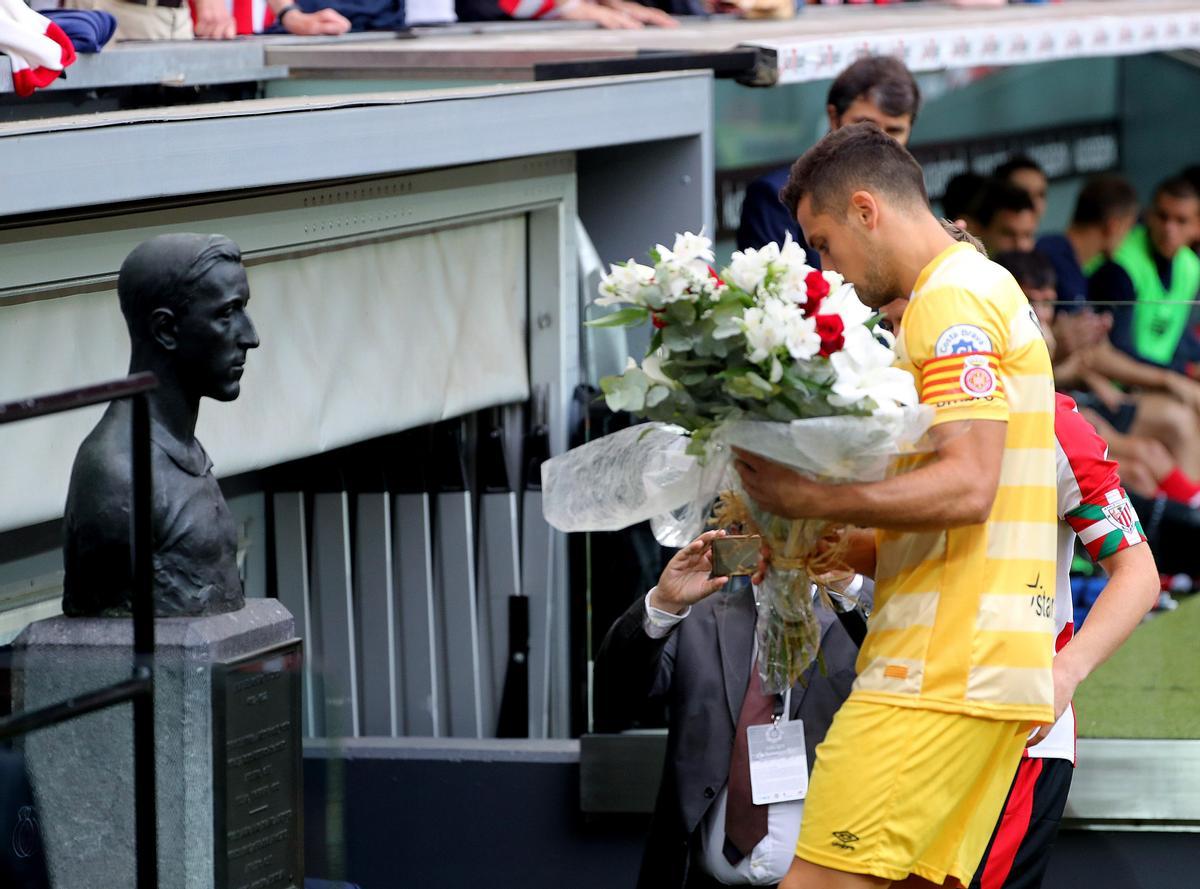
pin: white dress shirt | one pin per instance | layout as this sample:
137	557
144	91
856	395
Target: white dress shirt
770	859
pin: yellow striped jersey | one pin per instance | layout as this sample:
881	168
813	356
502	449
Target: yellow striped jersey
964	618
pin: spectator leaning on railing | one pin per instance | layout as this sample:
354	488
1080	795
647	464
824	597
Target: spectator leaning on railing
615	14
214	19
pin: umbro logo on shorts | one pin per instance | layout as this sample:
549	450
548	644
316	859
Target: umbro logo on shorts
843	839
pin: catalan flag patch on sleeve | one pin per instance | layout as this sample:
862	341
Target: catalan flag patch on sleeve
962	377
1107	527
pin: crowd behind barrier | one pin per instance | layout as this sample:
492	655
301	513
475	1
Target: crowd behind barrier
43	37
1117	292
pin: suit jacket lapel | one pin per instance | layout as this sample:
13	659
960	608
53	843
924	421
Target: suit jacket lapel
735	615
800	689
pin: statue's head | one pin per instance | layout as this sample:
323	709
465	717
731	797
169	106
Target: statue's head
184	300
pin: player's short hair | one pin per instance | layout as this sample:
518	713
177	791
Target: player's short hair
963	236
858	157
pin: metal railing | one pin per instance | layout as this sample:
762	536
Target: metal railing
138	690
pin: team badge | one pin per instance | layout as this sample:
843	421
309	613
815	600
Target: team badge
977	379
961	339
1121	514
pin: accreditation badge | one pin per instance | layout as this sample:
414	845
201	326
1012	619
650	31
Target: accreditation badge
778	762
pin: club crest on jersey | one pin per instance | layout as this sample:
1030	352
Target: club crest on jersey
977	379
1121	515
961	339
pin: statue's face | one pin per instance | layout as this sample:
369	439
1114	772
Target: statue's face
216	332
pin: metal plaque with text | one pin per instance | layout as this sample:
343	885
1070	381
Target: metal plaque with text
257	832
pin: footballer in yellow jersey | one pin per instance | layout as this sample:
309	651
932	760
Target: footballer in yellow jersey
955	669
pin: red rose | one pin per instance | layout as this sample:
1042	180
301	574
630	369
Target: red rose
816	284
659	321
818	289
830	329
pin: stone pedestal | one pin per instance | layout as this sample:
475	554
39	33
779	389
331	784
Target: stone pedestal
82	771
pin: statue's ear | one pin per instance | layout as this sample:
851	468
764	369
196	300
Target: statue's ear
164	329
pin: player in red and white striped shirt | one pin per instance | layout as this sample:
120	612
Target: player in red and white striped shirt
1093	508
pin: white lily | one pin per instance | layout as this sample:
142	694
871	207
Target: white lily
748	268
802	340
845	303
690	248
864	369
652	367
624	284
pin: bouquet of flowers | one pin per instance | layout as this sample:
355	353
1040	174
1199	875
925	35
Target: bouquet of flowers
770	355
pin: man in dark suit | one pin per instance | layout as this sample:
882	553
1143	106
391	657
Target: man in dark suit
875	88
690	642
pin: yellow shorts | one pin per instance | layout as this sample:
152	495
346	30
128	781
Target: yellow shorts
898	791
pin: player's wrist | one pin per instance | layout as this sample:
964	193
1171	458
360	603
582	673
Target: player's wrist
1072	664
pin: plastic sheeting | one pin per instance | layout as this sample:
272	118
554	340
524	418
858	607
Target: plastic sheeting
357	342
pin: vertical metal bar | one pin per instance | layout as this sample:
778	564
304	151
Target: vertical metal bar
499	580
373	583
537	565
421	676
145	794
334	611
454	563
291	581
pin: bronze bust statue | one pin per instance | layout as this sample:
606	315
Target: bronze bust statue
184	300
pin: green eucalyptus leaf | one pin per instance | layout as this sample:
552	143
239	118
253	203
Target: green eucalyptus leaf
627	317
657	395
681	312
626	392
676	339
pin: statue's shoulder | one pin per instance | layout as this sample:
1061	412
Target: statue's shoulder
102	474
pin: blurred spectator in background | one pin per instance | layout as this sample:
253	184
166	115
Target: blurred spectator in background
1192	175
1005	218
214	19
1105	212
878	89
959	199
1153	279
1146	464
223	19
616	14
1026	174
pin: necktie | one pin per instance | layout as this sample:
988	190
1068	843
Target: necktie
746	823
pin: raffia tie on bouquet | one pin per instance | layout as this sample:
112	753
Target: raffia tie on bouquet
788	630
